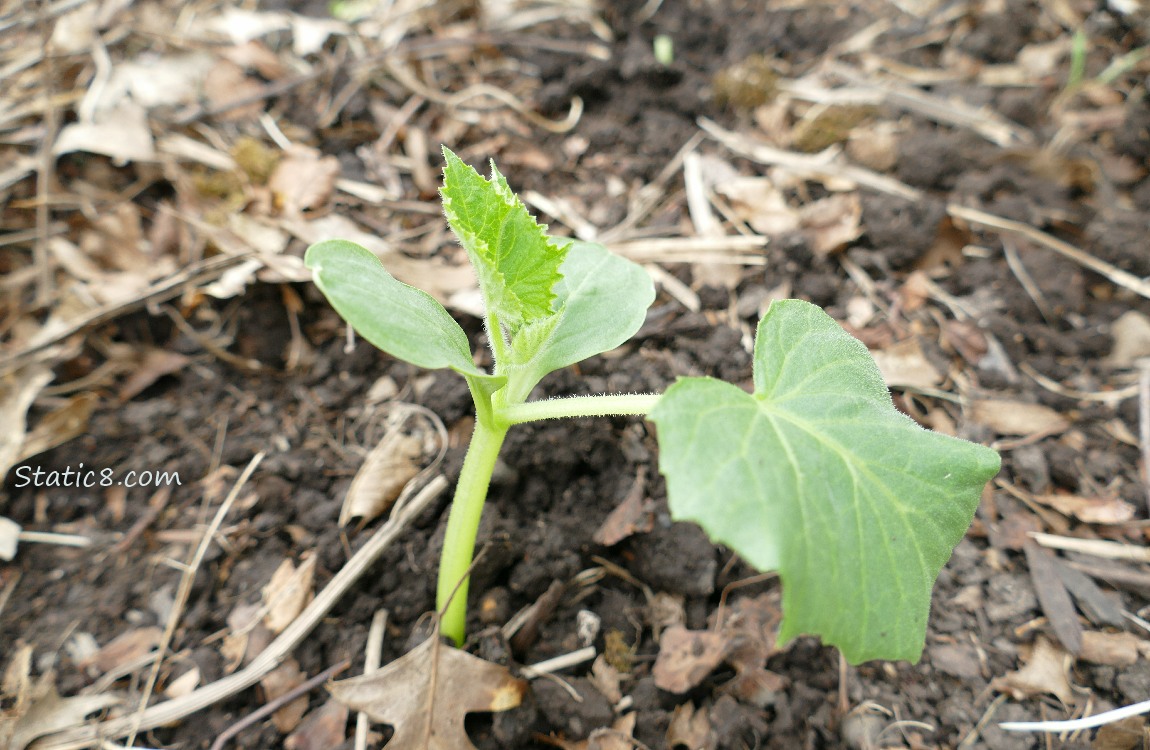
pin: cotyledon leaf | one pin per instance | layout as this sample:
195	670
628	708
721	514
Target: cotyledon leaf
517	263
403	321
601	302
816	475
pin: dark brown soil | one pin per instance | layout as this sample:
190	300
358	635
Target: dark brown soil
558	481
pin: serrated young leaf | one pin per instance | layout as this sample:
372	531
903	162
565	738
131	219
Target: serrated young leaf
601	302
517	263
818	476
403	321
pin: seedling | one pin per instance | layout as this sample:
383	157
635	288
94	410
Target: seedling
814	474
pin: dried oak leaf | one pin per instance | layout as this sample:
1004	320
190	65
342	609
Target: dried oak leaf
426	694
1047	670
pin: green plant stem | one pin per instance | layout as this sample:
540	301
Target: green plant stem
578	406
463	525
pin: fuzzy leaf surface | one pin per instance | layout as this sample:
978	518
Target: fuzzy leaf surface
816	475
517	263
601	302
403	321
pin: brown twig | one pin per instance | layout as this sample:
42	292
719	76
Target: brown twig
1144	423
273	705
45	171
1065	249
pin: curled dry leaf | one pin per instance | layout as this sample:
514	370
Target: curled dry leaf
606	680
635	514
391	464
1017	417
184	684
426	694
1090	509
1047	670
288	592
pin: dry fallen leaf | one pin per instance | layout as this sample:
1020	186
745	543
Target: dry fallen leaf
752	623
9	538
227	82
686	657
323	728
280	681
635	514
1125	734
40	711
691	727
288	592
304	180
121	133
606	680
1113	649
1017	417
152	365
184	684
1047	670
832	222
1090	509
761	203
123	649
1131	334
426	694
67	421
903	363
617	737
18	390
391	464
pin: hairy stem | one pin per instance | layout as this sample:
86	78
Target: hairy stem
463	525
579	406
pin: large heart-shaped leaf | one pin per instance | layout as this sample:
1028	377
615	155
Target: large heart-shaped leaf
403	321
601	301
818	476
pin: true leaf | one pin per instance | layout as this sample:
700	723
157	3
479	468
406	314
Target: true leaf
601	302
818	476
427	693
517	263
403	321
